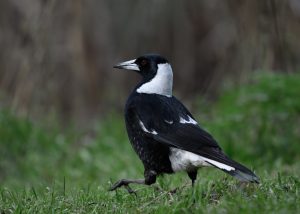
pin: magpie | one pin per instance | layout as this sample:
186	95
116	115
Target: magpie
163	132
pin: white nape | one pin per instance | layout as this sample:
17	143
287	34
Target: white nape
161	83
190	120
184	160
146	130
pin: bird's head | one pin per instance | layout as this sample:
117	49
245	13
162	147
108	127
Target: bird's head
156	72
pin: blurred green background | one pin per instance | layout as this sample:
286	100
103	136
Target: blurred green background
236	66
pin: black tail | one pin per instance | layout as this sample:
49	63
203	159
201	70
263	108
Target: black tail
242	173
233	168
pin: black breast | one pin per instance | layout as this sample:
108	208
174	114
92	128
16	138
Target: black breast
154	155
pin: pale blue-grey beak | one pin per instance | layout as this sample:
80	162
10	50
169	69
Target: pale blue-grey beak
128	65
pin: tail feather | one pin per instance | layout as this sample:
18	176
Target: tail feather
239	171
242	176
233	168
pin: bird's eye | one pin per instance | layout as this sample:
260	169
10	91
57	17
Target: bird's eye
144	62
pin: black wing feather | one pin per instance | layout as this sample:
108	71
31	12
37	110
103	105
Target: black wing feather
154	111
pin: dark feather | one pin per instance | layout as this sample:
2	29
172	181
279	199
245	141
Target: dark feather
155	110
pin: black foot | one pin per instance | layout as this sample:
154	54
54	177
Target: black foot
129	190
150	178
118	184
125	183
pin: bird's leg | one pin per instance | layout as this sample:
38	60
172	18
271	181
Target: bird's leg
150	178
125	183
193	176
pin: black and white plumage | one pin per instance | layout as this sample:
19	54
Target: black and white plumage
164	133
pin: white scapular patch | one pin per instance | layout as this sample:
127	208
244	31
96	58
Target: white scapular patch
161	83
146	130
184	160
170	122
190	120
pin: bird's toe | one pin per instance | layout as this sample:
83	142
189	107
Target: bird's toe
117	185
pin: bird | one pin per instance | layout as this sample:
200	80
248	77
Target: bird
163	132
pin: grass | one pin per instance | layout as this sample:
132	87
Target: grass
279	194
45	170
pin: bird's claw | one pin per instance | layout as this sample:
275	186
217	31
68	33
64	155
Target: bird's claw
121	183
117	185
129	190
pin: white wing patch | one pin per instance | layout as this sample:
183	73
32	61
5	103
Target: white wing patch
170	122
146	130
190	120
184	160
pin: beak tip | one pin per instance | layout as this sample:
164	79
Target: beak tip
128	65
